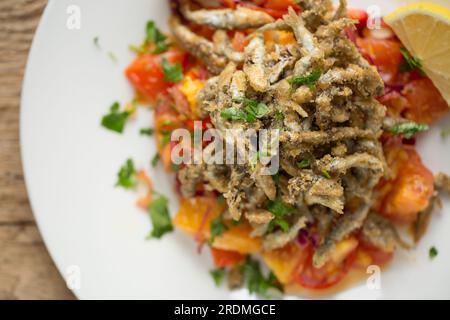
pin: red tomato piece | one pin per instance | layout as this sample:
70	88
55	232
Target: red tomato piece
147	75
326	277
384	54
396	103
239	41
224	258
360	15
426	104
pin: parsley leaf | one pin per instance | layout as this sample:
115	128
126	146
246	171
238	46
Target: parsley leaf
155	160
165	139
115	120
304	164
326	174
172	72
280	211
279	208
309	80
159	214
97	42
154	35
252	110
126	175
218	275
233	114
217	228
411	63
256	281
408	129
147	131
433	252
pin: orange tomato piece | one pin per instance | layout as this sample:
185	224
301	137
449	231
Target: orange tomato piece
426	104
225	258
195	216
283	262
411	188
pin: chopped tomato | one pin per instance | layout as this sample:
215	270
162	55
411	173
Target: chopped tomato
275	8
378	256
360	15
409	190
147	75
229	3
395	102
325	277
426	104
239	41
225	258
384	54
280	4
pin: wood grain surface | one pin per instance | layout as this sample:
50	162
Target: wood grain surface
26	269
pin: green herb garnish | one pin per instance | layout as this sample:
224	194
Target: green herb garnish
159	214
234	114
309	80
326	174
304	164
280	210
411	63
172	72
126	177
147	131
153	37
433	252
112	56
252	110
255	280
217	228
155	160
97	42
218	275
166	135
408	129
115	120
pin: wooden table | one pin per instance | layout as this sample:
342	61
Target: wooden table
26	269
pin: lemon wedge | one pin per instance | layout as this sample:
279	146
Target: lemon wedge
424	29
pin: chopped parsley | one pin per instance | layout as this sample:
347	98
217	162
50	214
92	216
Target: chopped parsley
280	210
166	135
155	160
408	129
445	133
126	177
217	228
304	164
115	120
411	63
147	131
156	37
97	42
433	252
112	56
153	37
159	214
309	80
234	114
326	174
218	275
172	72
252	110
255	280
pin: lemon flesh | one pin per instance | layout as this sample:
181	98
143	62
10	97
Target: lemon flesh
424	29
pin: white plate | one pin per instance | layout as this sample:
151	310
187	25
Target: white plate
92	229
